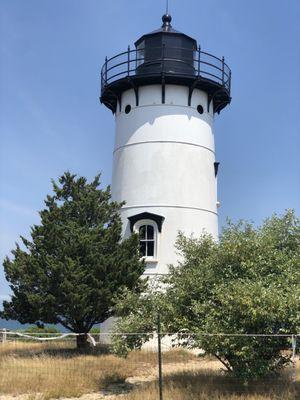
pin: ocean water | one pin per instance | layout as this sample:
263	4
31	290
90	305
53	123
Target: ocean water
12	325
15	325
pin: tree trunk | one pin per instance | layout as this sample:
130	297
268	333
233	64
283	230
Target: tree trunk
82	341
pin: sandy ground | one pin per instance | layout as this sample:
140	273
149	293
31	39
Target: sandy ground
91	396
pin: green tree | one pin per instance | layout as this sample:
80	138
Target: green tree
39	331
75	264
46	329
247	283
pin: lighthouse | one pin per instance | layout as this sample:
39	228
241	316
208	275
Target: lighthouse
164	94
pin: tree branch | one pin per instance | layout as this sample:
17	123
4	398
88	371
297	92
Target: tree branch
226	365
66	325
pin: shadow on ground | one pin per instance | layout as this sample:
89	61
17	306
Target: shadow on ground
210	385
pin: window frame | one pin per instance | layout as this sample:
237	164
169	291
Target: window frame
136	228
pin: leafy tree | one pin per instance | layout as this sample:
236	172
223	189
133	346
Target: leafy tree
247	283
39	331
75	265
95	330
46	329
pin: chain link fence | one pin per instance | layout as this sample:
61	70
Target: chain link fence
168	366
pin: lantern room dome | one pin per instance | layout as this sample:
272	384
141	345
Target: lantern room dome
165	56
171	47
165	29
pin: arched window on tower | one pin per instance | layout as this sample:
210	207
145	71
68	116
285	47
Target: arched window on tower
147	240
148	237
148	226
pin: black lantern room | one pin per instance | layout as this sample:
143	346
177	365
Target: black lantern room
165	56
166	50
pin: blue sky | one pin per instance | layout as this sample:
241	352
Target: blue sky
51	121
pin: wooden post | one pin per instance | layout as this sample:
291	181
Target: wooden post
4	336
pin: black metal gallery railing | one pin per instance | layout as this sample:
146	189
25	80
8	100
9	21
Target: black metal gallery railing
179	62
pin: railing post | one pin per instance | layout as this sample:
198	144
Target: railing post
223	65
163	82
163	57
199	53
128	61
105	81
160	379
136	58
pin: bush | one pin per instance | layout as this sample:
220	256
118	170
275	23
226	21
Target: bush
95	330
40	331
246	283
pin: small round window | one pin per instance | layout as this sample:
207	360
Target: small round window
200	109
127	109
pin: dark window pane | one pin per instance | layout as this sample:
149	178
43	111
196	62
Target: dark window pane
140	53
150	248
150	232
143	248
142	232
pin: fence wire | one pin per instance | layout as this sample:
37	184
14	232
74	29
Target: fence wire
52	366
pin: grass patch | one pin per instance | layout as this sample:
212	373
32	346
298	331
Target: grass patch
212	385
57	369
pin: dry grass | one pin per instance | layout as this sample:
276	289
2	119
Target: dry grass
57	369
212	385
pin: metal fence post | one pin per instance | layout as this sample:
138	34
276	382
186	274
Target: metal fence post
160	378
294	348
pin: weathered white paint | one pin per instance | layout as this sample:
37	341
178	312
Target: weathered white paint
164	164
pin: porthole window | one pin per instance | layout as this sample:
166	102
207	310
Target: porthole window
200	109
127	109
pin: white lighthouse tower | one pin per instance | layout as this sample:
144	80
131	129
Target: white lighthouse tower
164	94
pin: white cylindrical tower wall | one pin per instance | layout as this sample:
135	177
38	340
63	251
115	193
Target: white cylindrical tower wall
164	164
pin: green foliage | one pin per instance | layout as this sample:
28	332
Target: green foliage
247	283
75	265
137	314
95	330
39	331
45	329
